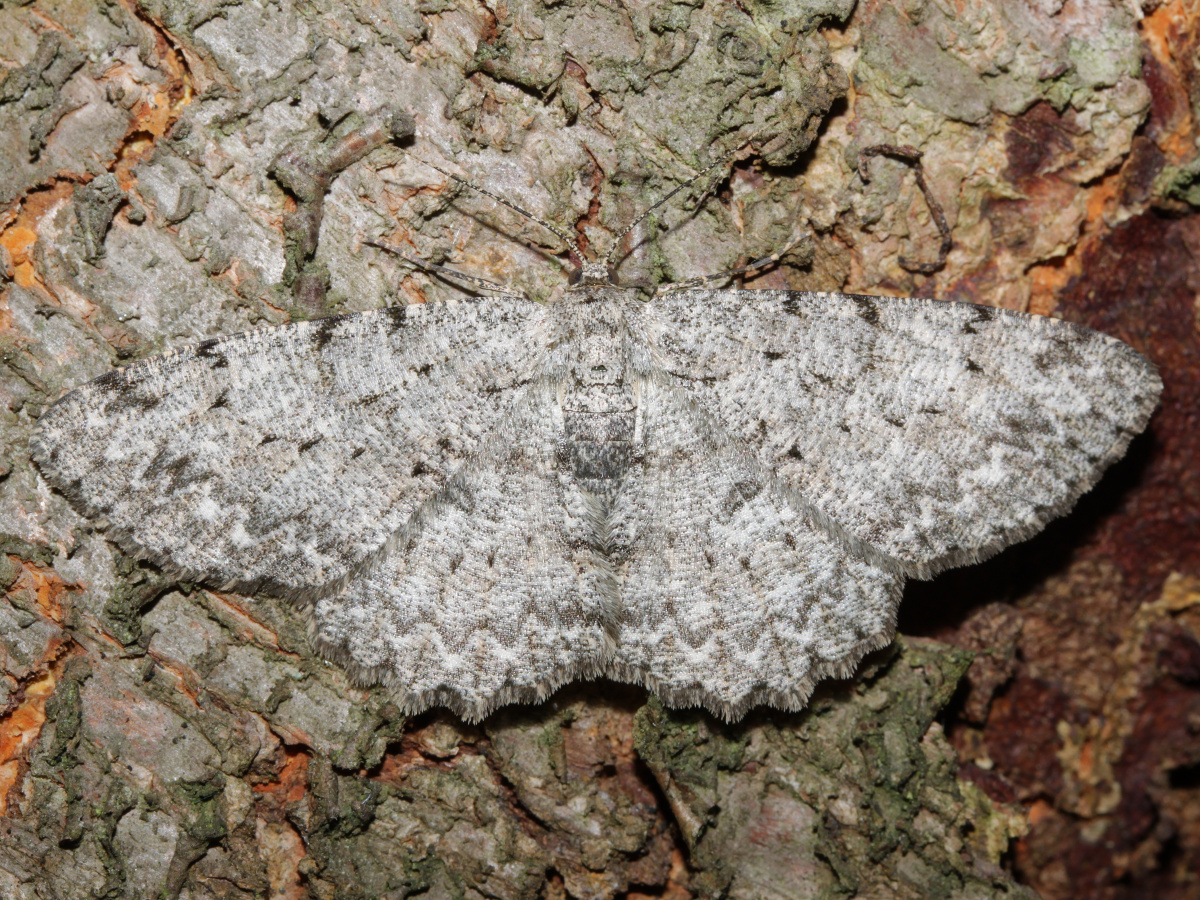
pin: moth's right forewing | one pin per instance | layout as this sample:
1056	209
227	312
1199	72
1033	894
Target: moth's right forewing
731	596
280	458
936	432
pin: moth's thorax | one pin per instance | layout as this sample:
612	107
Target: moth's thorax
587	293
598	388
594	273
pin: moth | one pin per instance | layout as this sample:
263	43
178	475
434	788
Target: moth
717	494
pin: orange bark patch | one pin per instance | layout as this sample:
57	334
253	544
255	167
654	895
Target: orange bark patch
1170	34
44	586
17	240
20	730
1039	810
22	233
292	783
1047	280
48	588
158	107
284	848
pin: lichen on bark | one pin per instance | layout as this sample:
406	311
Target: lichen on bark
159	739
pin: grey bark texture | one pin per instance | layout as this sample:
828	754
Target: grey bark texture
172	170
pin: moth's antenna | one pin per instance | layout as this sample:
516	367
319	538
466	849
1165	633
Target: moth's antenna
912	156
703	280
570	242
661	200
446	271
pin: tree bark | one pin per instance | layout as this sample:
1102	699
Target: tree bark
175	170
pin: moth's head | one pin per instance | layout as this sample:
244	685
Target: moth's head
593	273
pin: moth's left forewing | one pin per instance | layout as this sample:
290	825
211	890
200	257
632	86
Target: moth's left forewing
936	432
281	458
493	592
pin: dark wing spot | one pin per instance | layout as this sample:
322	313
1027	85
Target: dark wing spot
176	469
396	316
359	452
121	394
208	350
135	400
892	420
930	410
420	469
1047	362
745	561
792	305
180	476
748	489
1014	425
308	445
867	310
563	458
973	366
772	355
982	314
794	452
789	541
222	400
323	332
708	558
368	399
454	563
158	465
111	381
491	558
844	427
444	444
425	369
269	439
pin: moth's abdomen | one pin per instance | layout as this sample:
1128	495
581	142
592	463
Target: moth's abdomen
599	422
600	450
597	398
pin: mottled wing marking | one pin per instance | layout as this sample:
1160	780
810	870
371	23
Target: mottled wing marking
936	432
495	592
281	457
717	494
730	597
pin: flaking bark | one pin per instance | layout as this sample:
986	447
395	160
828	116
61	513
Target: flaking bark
161	739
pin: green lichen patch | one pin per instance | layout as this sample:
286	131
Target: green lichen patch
856	794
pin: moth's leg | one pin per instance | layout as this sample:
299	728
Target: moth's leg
912	156
720	277
307	173
720	161
474	281
566	238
